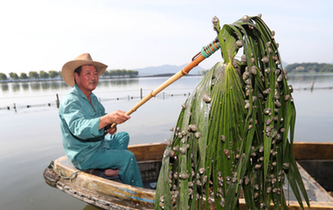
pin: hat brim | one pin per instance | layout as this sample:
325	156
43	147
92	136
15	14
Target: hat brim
68	69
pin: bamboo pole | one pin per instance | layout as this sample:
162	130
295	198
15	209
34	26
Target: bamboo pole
207	51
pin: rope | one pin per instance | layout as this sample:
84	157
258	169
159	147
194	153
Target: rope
51	165
210	49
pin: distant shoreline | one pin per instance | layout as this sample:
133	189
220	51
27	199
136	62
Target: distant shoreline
101	78
146	76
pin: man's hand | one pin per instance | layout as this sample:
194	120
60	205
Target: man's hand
110	130
117	117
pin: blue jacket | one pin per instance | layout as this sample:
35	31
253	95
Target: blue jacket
79	125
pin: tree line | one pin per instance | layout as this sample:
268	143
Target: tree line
309	68
34	75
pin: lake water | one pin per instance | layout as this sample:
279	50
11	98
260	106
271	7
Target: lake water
30	137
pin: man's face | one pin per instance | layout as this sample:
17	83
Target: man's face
88	78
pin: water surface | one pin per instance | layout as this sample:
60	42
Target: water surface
30	137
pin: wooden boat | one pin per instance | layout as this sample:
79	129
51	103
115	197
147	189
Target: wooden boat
315	161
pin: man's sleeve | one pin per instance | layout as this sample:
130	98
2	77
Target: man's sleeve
75	117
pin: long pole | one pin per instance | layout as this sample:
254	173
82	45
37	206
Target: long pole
205	53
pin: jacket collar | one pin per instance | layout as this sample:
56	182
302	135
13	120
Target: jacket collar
77	90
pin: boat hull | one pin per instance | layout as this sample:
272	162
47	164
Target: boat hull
109	194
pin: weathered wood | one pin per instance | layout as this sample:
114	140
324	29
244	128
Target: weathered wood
108	194
152	151
313	151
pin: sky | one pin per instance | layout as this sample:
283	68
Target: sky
40	35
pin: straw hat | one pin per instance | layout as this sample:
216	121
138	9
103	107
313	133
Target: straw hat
83	59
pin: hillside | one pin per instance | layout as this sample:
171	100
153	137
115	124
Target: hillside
309	68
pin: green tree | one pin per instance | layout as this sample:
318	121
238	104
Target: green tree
132	73
309	67
13	75
3	76
106	73
111	73
117	72
53	74
123	72
43	74
33	75
23	76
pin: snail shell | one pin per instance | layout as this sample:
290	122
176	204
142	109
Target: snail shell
226	152
172	153
176	148
246	18
223	138
175	175
207	98
239	43
246	180
268	121
261	149
286	98
286	165
267	91
215	20
197	134
265	59
201	170
243	58
253	70
193	128
256	187
269	189
246	75
256	195
190	184
183	176
166	153
183	150
168	142
279	79
267	111
278	104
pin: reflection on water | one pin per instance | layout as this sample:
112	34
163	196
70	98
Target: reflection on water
25	86
55	85
4	87
31	138
320	80
118	82
298	80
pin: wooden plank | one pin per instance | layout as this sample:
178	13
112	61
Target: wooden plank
152	151
126	196
313	151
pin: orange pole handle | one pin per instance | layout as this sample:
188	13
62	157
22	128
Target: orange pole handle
205	53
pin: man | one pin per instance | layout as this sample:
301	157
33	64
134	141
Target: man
83	123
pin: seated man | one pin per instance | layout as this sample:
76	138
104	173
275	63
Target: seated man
83	123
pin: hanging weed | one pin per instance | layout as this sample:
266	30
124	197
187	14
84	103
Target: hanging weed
235	133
